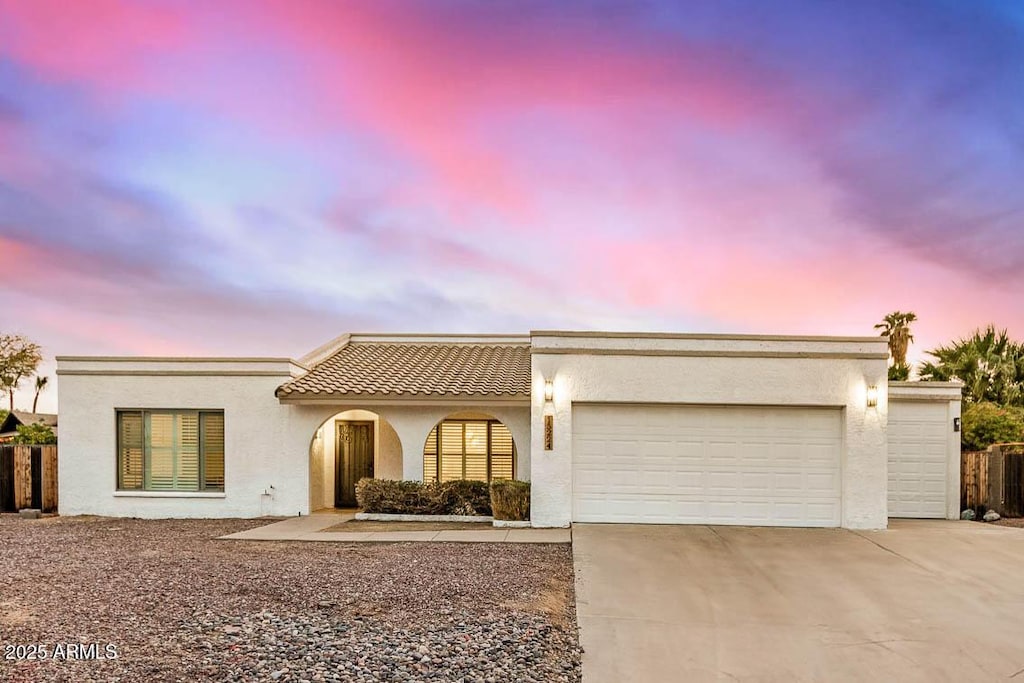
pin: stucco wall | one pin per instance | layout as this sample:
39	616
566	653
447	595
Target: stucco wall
713	370
255	436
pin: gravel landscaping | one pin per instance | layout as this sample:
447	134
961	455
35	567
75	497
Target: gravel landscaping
179	605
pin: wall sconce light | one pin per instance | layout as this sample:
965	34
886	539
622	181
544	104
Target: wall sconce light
872	396
549	390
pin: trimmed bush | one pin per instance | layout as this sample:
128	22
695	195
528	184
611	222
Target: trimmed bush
468	497
388	496
510	499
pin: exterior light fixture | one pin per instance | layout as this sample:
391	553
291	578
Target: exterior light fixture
549	390
872	396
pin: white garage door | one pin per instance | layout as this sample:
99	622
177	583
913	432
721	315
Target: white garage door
918	471
672	464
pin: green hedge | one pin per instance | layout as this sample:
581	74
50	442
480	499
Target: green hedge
510	499
388	496
987	423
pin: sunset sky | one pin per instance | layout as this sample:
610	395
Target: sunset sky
258	177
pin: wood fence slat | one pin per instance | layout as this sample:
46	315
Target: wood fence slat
22	477
974	487
7	479
49	478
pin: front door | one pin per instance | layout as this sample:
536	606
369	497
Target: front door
353	460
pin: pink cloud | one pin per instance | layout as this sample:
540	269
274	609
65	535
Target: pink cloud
109	43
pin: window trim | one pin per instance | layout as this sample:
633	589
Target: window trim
143	492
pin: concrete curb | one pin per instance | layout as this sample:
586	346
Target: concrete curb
381	517
511	524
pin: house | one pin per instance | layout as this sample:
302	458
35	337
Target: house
607	427
16	418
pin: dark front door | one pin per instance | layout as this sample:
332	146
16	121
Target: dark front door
353	460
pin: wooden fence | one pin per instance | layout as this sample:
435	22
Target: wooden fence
973	480
993	480
28	478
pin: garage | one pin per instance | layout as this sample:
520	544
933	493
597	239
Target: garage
919	438
687	464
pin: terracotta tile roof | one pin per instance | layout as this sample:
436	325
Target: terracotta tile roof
418	369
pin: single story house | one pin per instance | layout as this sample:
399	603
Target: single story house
9	425
607	427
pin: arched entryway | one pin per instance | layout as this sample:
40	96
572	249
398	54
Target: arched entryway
346	447
469	445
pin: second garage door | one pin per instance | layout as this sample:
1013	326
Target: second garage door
919	436
675	464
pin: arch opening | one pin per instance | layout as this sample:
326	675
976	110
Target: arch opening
350	445
469	445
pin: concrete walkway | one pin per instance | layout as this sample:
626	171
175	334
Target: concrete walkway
923	601
308	528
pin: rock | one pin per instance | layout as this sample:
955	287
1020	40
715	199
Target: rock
29	513
969	515
231	630
991	516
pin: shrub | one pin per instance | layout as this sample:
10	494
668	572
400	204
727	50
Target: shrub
35	435
391	496
987	423
510	499
387	496
468	497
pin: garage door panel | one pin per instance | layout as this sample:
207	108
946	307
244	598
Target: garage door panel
918	435
711	465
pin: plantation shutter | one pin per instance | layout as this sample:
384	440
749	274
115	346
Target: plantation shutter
476	451
187	463
173	454
212	434
160	460
451	451
502	452
430	457
131	442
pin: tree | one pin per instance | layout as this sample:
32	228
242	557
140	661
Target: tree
986	423
19	358
36	434
896	326
989	363
41	383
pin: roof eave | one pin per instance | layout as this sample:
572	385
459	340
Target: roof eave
296	398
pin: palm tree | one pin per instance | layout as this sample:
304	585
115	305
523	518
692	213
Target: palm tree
896	326
989	363
41	383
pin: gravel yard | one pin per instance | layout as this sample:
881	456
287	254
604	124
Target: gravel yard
179	605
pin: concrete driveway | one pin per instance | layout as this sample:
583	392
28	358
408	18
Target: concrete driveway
923	601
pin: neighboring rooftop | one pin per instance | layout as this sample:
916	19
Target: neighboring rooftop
9	425
416	366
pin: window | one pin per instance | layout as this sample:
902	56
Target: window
170	450
469	449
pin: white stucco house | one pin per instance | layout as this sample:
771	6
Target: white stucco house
607	427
